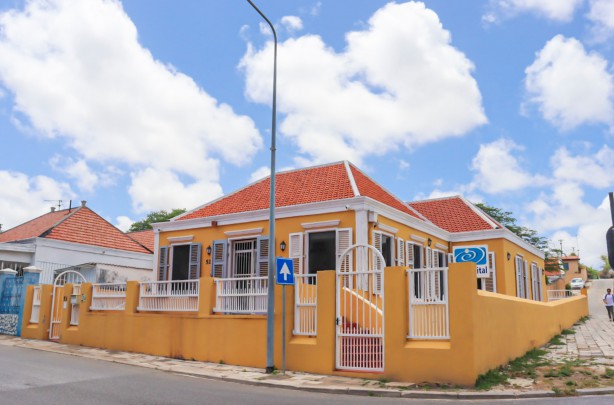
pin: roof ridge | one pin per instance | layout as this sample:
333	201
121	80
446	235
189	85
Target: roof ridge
62	220
449	197
418	214
252	184
351	178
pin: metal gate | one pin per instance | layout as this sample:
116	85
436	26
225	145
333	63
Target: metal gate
360	309
11	295
67	277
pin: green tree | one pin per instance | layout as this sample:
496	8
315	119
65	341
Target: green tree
605	271
507	219
153	217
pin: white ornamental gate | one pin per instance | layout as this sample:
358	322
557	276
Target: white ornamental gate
360	309
67	277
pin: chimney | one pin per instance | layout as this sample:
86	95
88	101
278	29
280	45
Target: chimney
52	209
83	202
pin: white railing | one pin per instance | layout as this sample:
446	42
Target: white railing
36	304
241	295
74	304
179	296
108	297
305	304
428	303
554	295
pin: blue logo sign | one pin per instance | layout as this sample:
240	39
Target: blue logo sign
284	271
473	254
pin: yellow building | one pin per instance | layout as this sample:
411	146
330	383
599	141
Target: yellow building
323	210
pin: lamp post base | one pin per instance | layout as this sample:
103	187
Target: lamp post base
269	370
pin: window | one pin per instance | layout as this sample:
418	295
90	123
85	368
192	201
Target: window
414	255
385	244
321	251
179	262
240	258
521	277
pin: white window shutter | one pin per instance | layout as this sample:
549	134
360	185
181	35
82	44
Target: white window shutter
409	254
519	286
344	241
436	263
400	252
428	263
527	280
218	265
262	253
163	264
296	251
194	267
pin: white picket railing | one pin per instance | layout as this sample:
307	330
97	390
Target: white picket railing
428	303
305	304
36	304
178	296
108	297
554	295
75	298
241	295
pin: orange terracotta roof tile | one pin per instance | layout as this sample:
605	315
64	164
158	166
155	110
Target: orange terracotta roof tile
78	225
86	227
369	188
303	186
452	214
145	238
35	227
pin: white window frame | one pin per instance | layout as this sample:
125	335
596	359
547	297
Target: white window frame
231	256
520	277
170	258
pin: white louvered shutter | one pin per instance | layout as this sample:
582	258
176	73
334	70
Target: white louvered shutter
527	280
296	251
218	265
343	241
436	263
428	263
409	254
262	252
490	282
519	286
400	252
163	264
194	267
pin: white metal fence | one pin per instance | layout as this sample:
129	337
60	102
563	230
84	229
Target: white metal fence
241	295
36	304
305	304
108	297
428	303
75	299
179	296
554	295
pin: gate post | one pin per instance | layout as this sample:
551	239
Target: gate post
31	276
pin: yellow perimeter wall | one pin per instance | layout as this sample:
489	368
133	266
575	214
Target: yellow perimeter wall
486	330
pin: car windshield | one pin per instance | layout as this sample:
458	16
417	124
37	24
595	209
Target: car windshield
577	280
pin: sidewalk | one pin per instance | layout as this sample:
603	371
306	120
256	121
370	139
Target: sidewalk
322	383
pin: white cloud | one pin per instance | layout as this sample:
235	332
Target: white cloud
86	179
123	223
77	72
595	170
292	23
498	171
398	83
23	198
265	29
570	86
559	10
260	173
147	195
601	14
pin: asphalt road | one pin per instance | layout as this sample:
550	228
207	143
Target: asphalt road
34	377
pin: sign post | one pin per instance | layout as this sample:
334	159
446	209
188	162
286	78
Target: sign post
284	276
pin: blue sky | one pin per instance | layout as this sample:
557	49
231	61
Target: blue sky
138	106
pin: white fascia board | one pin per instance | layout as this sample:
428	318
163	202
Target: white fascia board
323	207
501	233
406	219
79	247
243	232
18	247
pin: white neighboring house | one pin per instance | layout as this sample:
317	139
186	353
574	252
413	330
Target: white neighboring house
76	239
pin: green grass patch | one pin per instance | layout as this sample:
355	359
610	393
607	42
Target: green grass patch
609	373
491	379
568	332
556	341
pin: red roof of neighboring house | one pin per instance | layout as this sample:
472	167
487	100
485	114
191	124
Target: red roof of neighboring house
145	238
552	273
77	225
302	186
454	214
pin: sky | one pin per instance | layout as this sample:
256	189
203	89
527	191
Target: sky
137	106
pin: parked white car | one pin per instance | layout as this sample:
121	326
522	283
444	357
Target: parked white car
577	283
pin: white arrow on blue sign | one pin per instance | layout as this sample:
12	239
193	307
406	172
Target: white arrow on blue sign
284	272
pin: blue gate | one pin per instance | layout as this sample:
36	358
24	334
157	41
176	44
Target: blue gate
10	305
11	295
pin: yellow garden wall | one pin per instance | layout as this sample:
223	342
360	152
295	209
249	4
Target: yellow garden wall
486	330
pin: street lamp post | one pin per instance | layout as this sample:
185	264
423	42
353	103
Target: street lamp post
270	324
